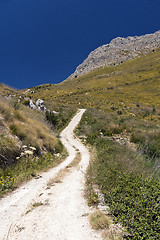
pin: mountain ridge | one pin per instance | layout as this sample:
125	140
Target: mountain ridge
117	51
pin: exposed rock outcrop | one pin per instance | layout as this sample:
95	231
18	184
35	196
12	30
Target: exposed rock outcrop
32	105
40	105
118	51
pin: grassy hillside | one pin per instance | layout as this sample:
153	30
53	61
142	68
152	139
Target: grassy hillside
6	90
126	169
133	82
122	124
28	142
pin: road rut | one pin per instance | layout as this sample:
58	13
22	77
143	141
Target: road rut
60	211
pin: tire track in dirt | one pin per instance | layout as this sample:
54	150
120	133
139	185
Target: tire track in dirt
59	212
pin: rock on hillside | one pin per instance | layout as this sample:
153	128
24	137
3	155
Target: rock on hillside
118	51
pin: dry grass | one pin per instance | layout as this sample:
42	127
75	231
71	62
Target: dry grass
29	130
112	234
59	177
33	132
8	150
6	111
22	130
37	204
99	220
62	173
76	161
110	85
6	90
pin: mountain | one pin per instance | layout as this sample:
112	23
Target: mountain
117	89
135	81
119	85
117	51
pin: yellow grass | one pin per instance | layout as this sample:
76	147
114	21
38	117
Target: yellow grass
99	220
135	81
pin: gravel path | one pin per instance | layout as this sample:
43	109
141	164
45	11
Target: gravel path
60	212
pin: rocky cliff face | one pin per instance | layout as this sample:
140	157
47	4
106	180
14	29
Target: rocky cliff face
118	51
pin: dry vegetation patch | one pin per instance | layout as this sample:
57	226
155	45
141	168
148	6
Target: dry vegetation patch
27	143
62	173
99	220
36	205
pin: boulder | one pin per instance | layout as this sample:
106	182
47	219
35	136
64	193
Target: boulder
40	105
32	105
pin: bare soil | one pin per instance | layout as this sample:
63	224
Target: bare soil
54	212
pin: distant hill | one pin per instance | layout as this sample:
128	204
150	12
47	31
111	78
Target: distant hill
117	51
134	81
6	90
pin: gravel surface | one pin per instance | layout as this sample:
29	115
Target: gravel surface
57	212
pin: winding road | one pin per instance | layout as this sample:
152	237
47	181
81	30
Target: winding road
60	211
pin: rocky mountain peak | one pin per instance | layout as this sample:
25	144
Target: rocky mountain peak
117	51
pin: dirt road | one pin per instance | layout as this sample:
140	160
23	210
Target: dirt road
59	212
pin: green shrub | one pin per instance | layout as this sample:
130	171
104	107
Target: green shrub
59	147
119	112
91	138
134	200
135	203
129	187
24	169
152	148
60	119
93	199
52	118
15	105
6	182
26	102
137	137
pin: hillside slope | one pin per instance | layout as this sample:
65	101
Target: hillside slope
122	124
134	82
28	139
118	51
52	202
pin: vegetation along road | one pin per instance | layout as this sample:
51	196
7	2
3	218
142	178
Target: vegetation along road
52	206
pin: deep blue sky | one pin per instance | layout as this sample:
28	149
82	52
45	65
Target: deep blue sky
43	41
